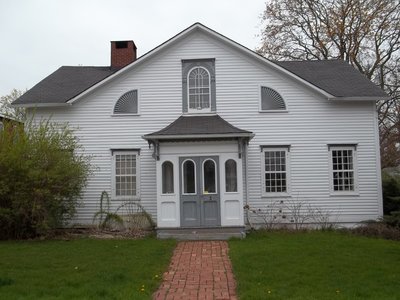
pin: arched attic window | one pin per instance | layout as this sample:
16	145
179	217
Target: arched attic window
199	89
127	103
271	100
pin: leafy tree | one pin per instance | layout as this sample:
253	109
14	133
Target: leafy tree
365	33
43	172
17	113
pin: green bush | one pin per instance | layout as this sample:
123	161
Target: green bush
42	175
391	193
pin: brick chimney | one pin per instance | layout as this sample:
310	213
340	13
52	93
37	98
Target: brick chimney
122	53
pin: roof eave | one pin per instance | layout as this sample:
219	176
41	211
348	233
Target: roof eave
138	61
197	136
28	105
182	34
359	98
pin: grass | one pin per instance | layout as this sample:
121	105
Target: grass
315	265
83	268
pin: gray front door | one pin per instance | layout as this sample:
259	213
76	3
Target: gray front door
199	191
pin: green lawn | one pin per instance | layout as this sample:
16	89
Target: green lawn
315	265
83	268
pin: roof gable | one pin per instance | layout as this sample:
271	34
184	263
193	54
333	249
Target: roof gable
69	84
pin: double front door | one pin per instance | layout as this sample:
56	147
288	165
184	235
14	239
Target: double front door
199	191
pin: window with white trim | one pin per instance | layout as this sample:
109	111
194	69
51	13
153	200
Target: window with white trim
275	171
189	177
167	177
230	176
271	100
125	173
128	103
209	177
343	169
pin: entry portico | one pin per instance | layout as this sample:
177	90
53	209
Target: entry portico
199	172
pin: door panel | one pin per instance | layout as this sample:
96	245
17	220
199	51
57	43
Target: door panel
199	191
210	213
188	178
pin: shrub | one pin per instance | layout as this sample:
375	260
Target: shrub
391	192
377	230
43	173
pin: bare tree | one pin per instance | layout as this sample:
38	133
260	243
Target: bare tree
365	33
6	109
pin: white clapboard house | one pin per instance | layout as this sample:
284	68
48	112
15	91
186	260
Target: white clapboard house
200	128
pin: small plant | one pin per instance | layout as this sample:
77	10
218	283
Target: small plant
269	217
106	218
298	213
377	229
135	216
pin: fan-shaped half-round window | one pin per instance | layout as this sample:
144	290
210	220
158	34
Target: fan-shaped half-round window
271	99
127	103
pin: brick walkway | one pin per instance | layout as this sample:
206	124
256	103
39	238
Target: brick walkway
198	270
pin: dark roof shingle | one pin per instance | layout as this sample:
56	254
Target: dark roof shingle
64	84
198	125
336	77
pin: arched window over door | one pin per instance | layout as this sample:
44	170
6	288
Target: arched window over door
209	177
189	177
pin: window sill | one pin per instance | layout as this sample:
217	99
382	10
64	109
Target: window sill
125	198
168	195
124	115
344	194
273	111
276	195
199	112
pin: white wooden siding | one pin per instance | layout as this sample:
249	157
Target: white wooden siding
309	125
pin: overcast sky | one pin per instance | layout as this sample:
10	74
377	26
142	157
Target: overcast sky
39	36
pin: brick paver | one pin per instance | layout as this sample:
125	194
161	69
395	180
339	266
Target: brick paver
198	270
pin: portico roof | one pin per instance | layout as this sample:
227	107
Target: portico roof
198	127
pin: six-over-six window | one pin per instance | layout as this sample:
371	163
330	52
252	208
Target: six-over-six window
275	171
343	168
125	174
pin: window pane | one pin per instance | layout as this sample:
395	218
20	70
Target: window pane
275	171
230	176
125	175
199	88
209	176
167	178
342	170
189	178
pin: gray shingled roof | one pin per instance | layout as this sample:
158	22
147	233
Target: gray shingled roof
333	76
198	126
336	77
64	84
